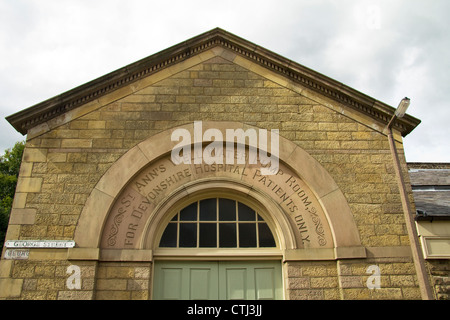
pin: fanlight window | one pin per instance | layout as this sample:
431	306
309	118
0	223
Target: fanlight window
217	223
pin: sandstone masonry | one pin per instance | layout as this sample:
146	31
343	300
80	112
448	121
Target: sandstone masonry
62	165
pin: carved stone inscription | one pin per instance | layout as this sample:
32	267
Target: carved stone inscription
137	202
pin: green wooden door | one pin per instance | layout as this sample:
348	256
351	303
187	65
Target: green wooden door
185	281
205	280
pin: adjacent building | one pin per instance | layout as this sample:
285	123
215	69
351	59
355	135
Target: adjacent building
431	189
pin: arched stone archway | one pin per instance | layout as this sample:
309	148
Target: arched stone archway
301	173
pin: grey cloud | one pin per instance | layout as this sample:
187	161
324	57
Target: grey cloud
51	47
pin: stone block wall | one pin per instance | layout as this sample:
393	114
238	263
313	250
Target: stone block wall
62	165
440	278
123	281
313	281
347	279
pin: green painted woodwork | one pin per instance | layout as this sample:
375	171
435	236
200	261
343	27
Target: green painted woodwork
218	280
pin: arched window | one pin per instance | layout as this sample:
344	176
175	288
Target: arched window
217	223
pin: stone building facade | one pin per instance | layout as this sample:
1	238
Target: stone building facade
430	183
101	209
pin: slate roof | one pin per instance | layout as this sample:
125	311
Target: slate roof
430	183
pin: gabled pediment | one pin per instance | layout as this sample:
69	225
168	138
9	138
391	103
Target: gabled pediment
291	71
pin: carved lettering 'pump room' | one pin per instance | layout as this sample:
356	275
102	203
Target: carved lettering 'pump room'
215	162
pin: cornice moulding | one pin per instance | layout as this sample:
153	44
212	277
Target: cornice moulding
26	119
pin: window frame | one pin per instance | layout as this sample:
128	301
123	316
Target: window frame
258	222
281	228
220	254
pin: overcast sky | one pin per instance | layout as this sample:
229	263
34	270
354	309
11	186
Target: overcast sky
387	49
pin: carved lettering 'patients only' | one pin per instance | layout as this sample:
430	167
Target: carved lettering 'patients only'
136	204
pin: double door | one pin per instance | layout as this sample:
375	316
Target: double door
217	280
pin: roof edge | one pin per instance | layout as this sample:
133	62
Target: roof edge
428	165
28	118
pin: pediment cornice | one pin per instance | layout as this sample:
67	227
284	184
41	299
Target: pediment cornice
310	79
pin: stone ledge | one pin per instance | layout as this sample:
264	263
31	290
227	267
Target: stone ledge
388	252
83	254
350	252
126	255
309	254
48	254
356	252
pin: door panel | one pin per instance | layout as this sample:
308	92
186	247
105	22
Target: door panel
186	281
203	283
265	283
250	280
233	283
169	284
236	280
